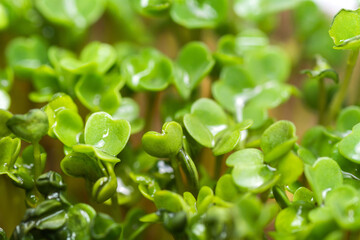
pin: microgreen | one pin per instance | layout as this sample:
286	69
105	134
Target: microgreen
181	113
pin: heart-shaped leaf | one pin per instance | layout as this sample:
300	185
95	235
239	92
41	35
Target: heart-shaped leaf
68	127
9	150
149	70
226	188
304	194
26	54
290	167
345	30
324	176
278	139
250	173
199	14
107	134
103	54
82	14
99	93
193	63
292	219
31	126
206	120
165	144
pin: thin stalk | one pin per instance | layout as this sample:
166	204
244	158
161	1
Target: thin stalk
115	207
217	166
37	160
322	101
190	171
178	178
340	95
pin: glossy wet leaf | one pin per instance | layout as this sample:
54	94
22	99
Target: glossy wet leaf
31	126
345	30
206	120
99	93
278	139
345	208
107	134
249	172
323	176
347	119
129	110
77	14
348	146
165	144
9	149
149	70
193	63
153	8
199	14
79	217
25	55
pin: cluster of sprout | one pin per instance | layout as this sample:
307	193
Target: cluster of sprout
213	98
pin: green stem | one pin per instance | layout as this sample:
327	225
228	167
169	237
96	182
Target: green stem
190	171
37	160
280	197
217	166
340	95
115	207
322	101
151	98
178	178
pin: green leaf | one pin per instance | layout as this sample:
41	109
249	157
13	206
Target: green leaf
74	14
68	127
99	93
104	227
268	64
345	29
206	120
46	84
322	70
344	205
104	55
31	126
323	176
165	144
149	70
199	14
4	117
348	145
304	194
129	110
290	167
25	55
193	63
6	79
9	150
169	201
152	8
249	172
107	134
347	119
79	218
228	139
278	139
82	165
226	188
4	20
292	219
